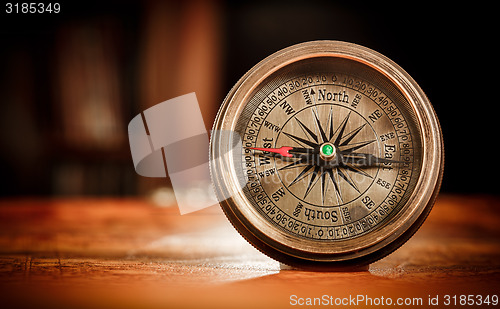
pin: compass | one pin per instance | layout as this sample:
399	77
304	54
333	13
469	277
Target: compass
341	156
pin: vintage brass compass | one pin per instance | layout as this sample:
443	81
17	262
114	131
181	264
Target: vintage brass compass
341	156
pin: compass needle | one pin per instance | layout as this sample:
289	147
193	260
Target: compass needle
333	171
283	151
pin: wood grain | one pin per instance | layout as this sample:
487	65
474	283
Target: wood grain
129	253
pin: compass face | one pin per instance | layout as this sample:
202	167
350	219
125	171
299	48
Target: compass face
335	140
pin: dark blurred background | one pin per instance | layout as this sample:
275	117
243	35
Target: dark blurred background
70	82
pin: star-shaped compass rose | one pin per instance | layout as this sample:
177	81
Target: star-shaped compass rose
327	154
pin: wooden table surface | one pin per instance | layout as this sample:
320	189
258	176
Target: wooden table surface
102	253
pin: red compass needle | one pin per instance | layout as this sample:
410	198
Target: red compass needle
283	151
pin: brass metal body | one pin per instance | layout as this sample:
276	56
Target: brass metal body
327	208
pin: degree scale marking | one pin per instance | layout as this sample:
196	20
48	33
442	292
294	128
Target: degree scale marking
310	230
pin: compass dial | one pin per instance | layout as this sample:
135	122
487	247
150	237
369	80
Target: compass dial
341	155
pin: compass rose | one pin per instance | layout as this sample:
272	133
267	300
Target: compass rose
327	154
